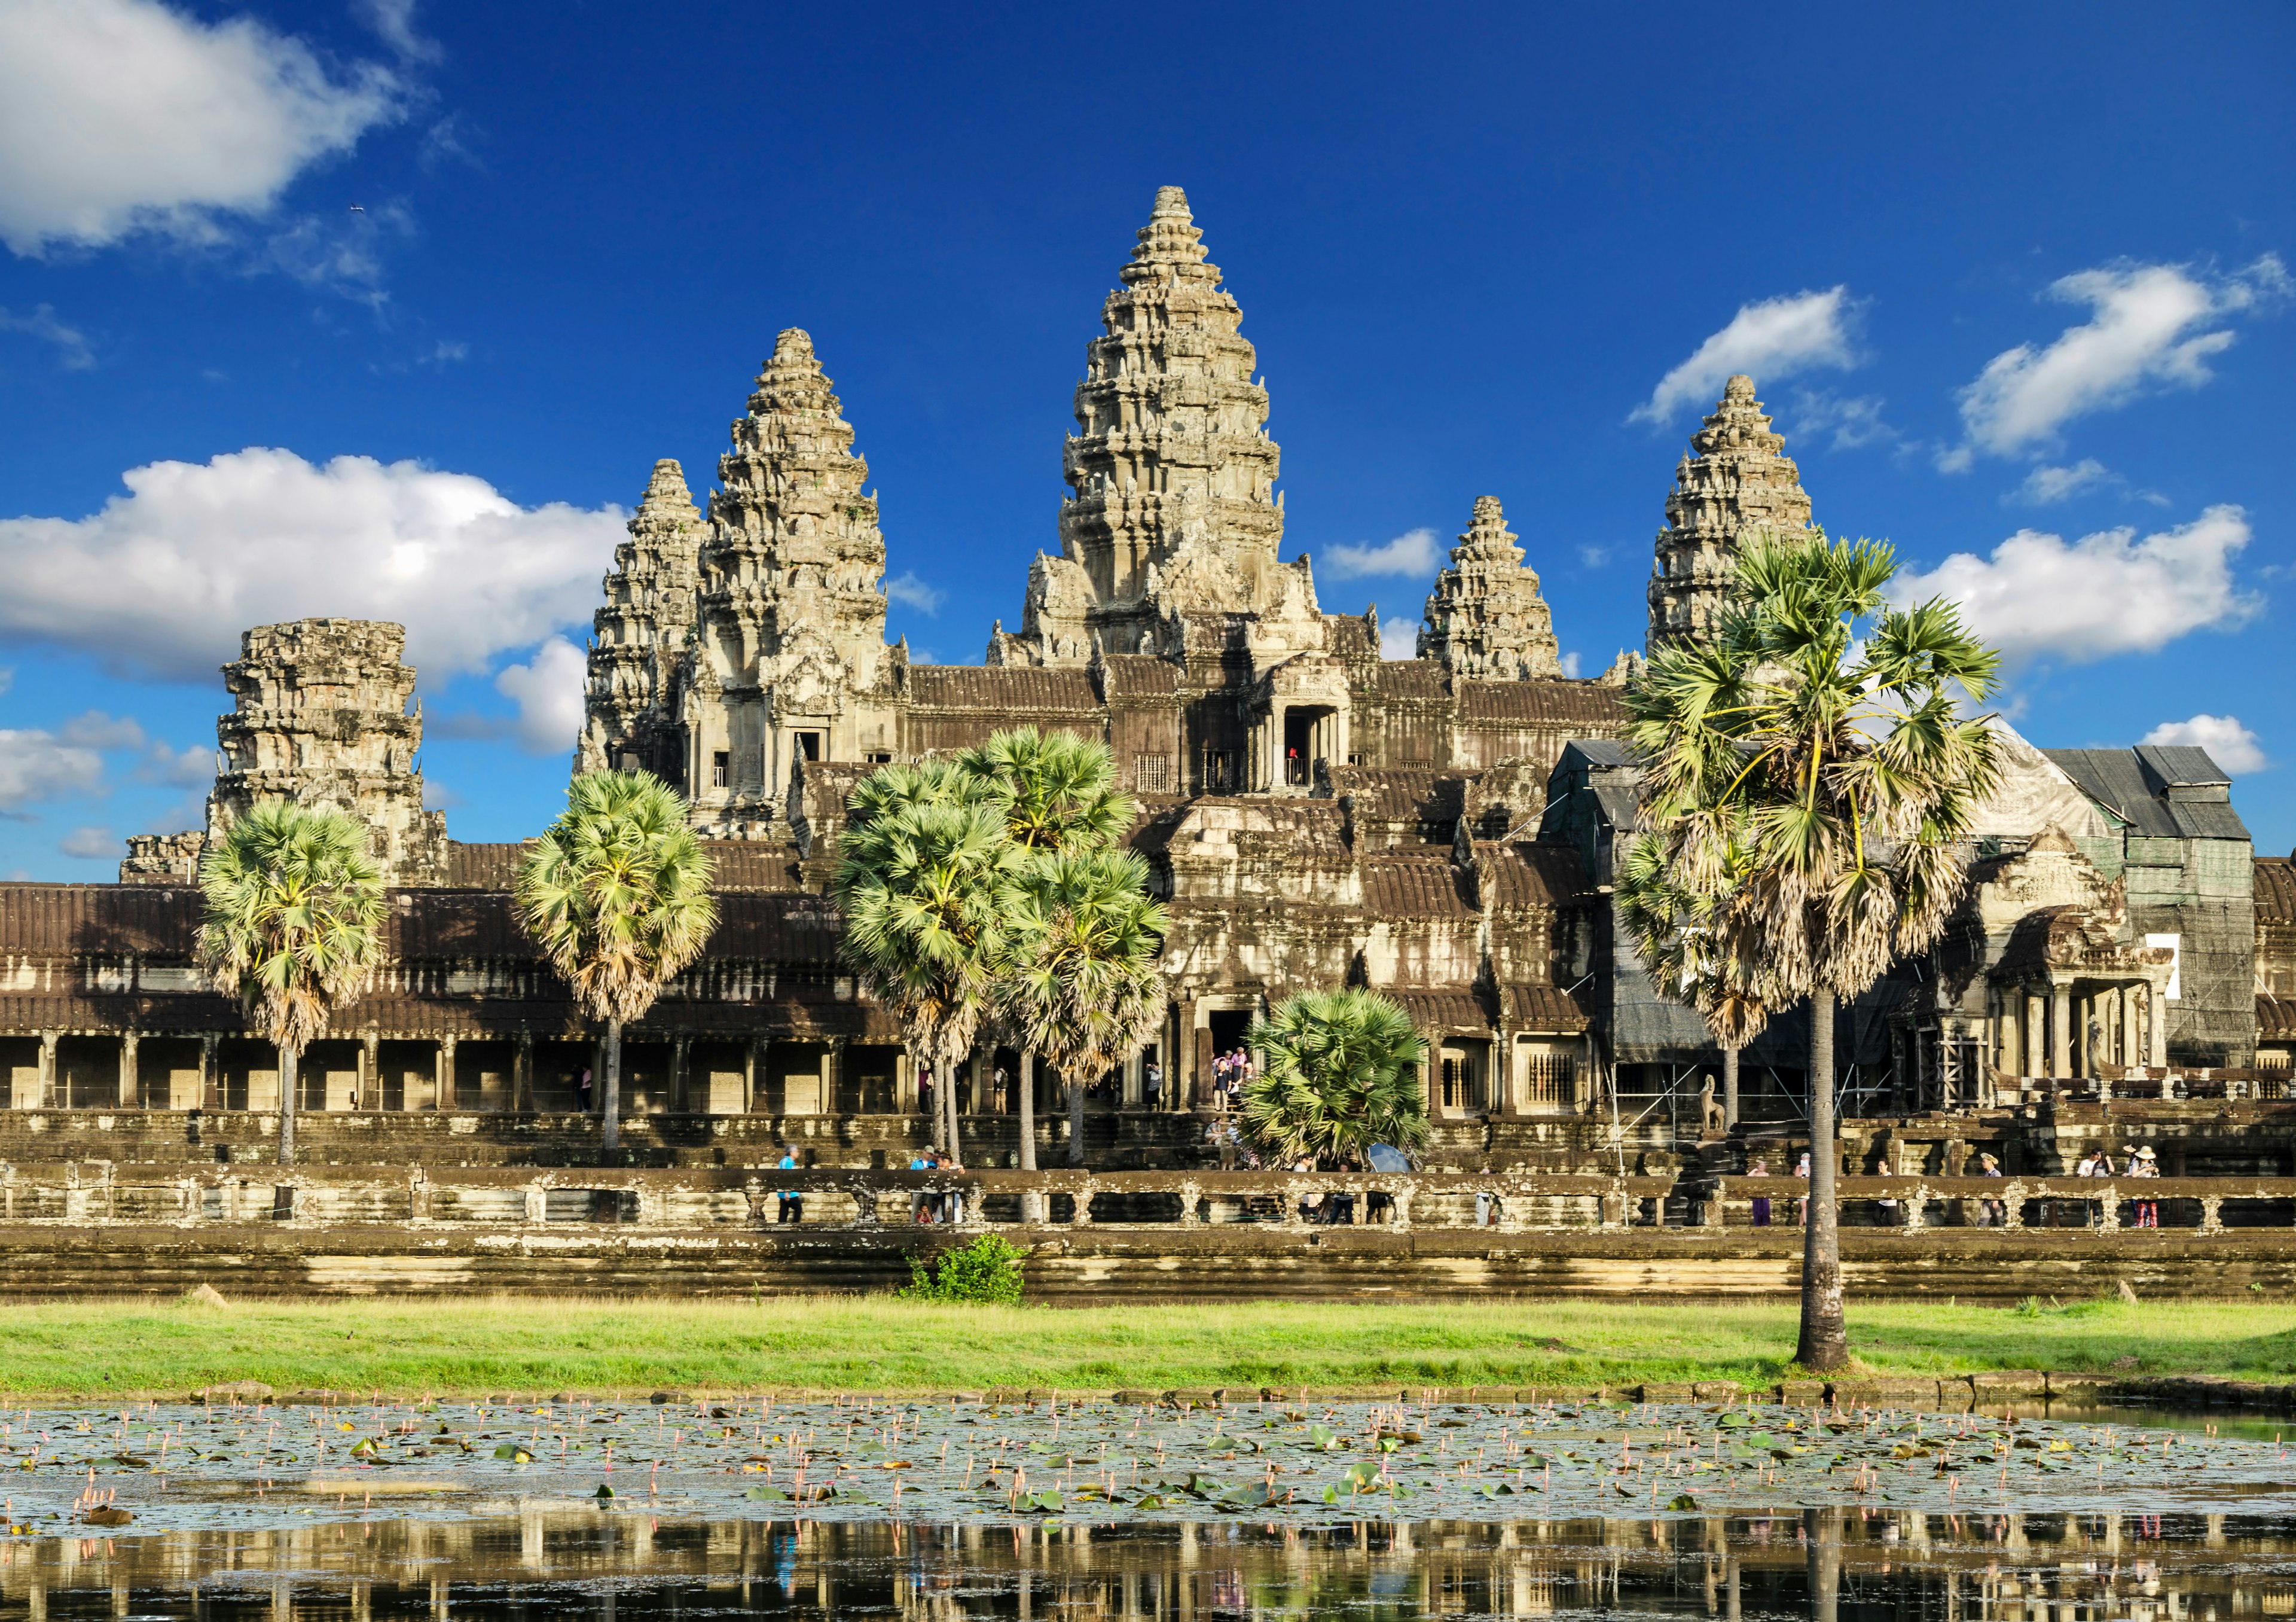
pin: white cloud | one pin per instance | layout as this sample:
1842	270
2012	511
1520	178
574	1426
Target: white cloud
191	768
1853	422
907	588
2230	744
2045	485
94	729
1570	666
2104	594
548	692
1413	552
2148	325
1594	557
1769	341
161	581
1398	637
393	20
92	844
37	765
71	343
117	116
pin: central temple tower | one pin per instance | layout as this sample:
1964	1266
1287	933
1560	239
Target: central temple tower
1173	502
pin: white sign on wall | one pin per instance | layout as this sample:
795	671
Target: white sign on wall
2176	945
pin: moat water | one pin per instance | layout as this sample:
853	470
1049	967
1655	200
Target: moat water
945	1509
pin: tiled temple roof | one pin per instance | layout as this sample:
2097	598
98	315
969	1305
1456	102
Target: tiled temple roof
1020	690
1416	886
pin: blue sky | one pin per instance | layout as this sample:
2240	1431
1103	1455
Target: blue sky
387	309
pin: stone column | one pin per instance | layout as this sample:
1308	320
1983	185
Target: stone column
371	1071
749	1075
49	1083
2034	1031
832	1071
680	1098
522	1078
131	1084
442	1075
2132	1025
210	1082
2060	1033
2157	1026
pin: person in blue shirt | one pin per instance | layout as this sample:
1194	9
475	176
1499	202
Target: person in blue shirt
792	1201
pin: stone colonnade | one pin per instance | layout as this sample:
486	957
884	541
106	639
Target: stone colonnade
2067	1028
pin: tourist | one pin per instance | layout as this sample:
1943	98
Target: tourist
1760	1168
583	1088
921	1202
793	1200
2086	1167
1151	1084
1004	1092
1991	1213
1801	1170
1311	1207
925	1093
2144	1164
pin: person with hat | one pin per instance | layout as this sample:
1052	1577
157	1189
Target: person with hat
1992	1211
2144	1162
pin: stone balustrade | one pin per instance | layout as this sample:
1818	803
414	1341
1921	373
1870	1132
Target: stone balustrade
100	1193
1970	1202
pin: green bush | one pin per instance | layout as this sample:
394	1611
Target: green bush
987	1271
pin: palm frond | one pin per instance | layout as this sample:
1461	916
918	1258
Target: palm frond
293	917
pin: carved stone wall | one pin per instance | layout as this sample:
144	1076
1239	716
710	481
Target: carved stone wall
1739	479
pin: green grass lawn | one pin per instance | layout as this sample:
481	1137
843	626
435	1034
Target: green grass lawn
526	1344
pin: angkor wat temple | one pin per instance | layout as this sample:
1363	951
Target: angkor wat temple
1439	827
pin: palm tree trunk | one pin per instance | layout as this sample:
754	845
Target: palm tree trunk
1076	1121
1825	1343
287	1057
946	1099
1030	1211
1730	1089
610	1145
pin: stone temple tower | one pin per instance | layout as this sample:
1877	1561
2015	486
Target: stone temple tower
1739	479
1172	475
321	719
630	718
1485	617
788	659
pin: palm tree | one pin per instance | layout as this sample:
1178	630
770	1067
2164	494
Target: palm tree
1078	982
293	927
1058	789
1339	1074
616	893
1058	793
920	867
1672	929
1823	734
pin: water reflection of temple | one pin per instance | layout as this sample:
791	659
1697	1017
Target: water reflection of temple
622	1568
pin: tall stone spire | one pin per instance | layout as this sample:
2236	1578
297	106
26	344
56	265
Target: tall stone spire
1485	617
629	720
1739	479
791	622
320	718
1172	474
